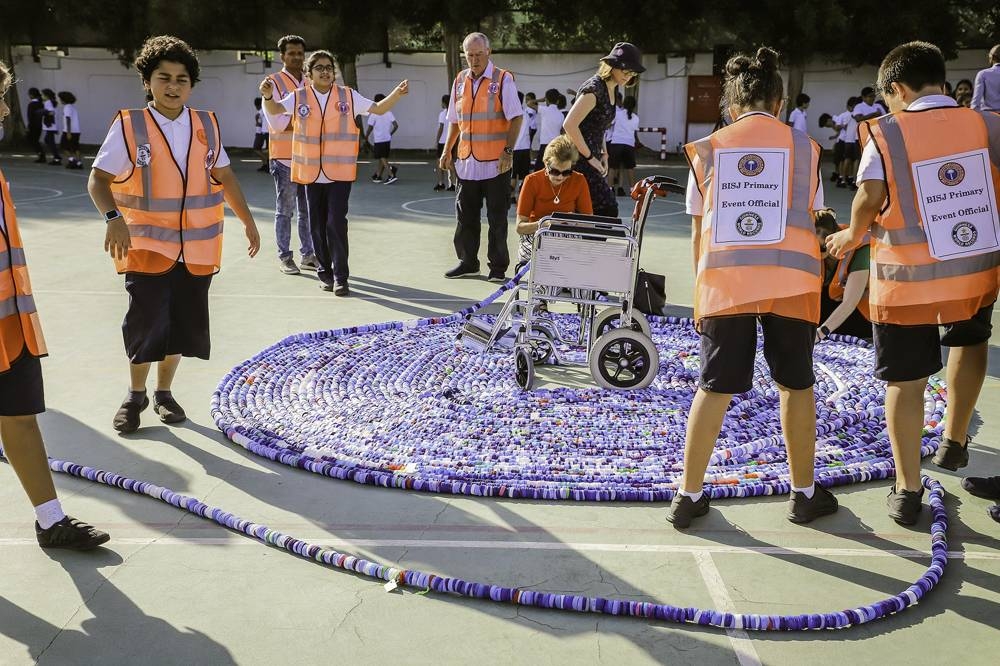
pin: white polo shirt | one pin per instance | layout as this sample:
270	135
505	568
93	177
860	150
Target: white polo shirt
624	128
362	105
113	156
695	203
798	120
443	122
381	126
863	109
523	138
870	167
49	108
470	168
71	119
850	132
550	120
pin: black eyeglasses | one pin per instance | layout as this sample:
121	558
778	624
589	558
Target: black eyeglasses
556	172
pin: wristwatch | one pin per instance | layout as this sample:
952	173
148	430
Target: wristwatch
824	332
112	214
508	150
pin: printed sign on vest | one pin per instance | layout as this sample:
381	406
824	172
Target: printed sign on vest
958	204
749	197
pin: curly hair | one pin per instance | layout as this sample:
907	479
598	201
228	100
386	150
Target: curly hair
172	49
5	77
561	149
751	80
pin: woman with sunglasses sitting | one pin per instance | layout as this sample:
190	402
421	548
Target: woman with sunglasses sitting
593	113
554	189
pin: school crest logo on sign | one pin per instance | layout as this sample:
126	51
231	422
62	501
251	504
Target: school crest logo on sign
202	139
951	174
494	88
751	165
343	107
142	155
302	110
964	234
749	224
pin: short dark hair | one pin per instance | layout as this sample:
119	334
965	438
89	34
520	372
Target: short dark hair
915	64
256	102
445	98
867	90
66	97
378	98
290	39
172	49
824	118
529	95
750	80
34	93
802	99
551	96
50	94
826	220
319	55
853	101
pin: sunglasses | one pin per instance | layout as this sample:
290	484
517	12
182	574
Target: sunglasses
552	171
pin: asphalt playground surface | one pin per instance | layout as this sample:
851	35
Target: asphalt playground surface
171	588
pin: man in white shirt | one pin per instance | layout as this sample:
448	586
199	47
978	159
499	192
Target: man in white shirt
488	178
986	90
867	109
797	118
379	134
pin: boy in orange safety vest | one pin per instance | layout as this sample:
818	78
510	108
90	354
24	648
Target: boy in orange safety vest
21	392
325	156
929	178
160	180
755	261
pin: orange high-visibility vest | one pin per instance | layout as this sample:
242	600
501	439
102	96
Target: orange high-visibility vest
908	286
324	140
20	330
481	121
783	278
279	144
839	281
170	215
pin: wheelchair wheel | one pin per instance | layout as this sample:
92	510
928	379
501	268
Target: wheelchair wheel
524	368
541	350
624	360
609	319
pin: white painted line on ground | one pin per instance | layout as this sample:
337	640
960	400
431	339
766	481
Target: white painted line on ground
337	542
746	653
408	207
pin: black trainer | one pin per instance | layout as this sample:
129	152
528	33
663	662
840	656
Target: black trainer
71	534
167	408
460	270
951	454
341	289
994	512
802	509
987	487
127	417
496	276
683	510
904	505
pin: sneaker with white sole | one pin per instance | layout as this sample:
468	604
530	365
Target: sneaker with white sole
288	267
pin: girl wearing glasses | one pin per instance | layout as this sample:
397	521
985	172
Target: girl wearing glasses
593	113
554	189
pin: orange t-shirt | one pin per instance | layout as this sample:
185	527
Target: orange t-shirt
538	195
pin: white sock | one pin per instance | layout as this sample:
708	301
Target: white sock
808	492
49	513
694	496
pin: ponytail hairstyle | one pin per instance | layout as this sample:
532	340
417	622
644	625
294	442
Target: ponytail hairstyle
753	80
629	105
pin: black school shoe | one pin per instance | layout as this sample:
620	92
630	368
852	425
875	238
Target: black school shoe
71	534
341	289
460	270
127	417
802	509
951	454
497	277
987	487
683	510
904	505
167	408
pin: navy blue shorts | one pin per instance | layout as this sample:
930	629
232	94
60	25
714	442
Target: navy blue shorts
167	315
21	389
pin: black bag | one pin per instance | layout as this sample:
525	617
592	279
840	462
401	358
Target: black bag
650	293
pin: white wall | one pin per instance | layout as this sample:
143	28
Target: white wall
103	86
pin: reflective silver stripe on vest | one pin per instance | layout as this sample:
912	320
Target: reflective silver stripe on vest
469	136
761	257
327	136
169	205
895	237
323	159
25	304
939	269
487	115
279	83
798	213
174	235
137	120
903	177
12	257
